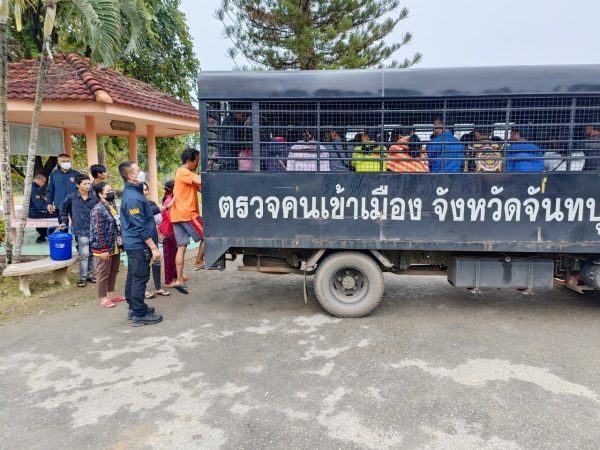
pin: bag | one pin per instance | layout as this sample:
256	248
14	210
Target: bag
245	164
487	158
556	162
166	227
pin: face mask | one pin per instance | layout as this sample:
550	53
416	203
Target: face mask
141	177
65	165
110	197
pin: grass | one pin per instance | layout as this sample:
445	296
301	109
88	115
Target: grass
45	297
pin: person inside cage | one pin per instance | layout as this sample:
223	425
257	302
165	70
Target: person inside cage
367	155
406	154
306	155
445	151
522	154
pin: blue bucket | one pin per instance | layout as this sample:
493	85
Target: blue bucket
60	246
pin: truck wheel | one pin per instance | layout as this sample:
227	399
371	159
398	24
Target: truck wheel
348	284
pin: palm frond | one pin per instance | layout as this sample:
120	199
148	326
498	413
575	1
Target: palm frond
139	18
103	23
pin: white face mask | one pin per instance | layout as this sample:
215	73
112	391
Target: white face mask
141	177
65	165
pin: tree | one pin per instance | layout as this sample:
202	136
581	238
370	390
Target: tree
5	170
101	25
314	34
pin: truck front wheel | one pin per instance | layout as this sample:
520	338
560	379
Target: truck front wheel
348	284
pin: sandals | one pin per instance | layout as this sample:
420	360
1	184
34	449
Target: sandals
181	288
82	283
150	295
118	298
162	292
199	267
107	303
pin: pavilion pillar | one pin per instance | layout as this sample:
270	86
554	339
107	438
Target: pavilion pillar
68	138
133	156
91	140
152	163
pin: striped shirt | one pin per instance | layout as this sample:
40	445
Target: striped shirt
401	161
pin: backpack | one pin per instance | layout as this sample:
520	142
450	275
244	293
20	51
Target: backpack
166	227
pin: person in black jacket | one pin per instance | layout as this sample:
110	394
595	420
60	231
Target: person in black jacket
78	207
140	240
38	205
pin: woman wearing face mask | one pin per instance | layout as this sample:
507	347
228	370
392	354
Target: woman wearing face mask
105	244
169	243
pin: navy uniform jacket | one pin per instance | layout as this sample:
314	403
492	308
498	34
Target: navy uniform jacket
38	204
61	184
137	219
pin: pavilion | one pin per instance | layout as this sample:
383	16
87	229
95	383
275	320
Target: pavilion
94	101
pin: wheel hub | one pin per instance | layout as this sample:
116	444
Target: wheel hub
348	282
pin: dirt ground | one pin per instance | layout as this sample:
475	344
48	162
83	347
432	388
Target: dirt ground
48	298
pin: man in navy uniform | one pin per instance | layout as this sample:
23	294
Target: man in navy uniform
140	240
38	205
61	183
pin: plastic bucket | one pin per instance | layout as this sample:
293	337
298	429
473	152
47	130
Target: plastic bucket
60	246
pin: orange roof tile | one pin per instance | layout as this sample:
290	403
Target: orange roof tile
71	78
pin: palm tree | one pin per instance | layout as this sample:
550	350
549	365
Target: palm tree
103	27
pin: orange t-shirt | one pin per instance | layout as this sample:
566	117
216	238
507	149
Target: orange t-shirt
185	193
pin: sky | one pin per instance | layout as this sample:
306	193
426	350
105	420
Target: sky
455	33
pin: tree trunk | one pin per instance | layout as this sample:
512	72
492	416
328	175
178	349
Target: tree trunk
31	153
4	152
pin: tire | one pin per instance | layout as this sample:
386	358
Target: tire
349	284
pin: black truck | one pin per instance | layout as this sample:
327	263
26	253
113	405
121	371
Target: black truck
489	176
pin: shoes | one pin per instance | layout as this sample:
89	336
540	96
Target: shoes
130	312
148	319
40	240
82	283
91	279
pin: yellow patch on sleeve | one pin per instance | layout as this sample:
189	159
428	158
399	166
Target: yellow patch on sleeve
134	211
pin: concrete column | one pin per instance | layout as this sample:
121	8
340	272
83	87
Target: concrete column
152	163
133	156
91	140
68	138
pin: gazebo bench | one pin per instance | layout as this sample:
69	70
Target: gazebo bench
24	271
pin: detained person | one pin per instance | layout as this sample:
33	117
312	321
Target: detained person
185	213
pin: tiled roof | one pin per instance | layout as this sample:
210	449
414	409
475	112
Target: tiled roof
71	78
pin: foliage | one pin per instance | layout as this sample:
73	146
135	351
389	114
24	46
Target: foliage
165	60
99	29
314	34
2	232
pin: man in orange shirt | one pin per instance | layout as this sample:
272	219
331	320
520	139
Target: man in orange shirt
185	212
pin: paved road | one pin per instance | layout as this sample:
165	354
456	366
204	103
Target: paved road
245	363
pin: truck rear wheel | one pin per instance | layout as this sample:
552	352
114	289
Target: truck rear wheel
348	284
